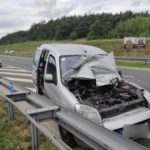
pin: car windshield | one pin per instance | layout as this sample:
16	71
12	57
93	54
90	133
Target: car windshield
70	62
98	64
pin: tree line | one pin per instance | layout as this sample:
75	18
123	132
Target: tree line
92	26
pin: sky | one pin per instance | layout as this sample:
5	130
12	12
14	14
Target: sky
16	15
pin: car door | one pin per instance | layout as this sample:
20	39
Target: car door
35	64
51	88
41	70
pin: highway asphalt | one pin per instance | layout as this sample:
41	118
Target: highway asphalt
138	76
18	71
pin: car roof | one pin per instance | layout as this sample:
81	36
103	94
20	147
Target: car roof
72	49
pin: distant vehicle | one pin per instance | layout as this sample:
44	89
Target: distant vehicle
0	61
84	79
9	51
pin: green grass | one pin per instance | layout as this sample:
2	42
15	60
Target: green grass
116	45
23	46
133	64
16	134
108	44
25	49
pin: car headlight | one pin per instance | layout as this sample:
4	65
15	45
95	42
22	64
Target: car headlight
89	113
147	96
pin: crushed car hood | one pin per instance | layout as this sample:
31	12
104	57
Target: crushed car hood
102	69
104	79
107	62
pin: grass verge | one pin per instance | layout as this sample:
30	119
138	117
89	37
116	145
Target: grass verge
16	134
133	64
116	45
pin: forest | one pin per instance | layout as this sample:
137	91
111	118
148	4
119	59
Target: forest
90	26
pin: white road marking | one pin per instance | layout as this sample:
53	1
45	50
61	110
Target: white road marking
14	70
19	80
18	68
128	76
31	89
17	74
9	67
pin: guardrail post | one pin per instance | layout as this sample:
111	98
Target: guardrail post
35	137
38	115
10	111
10	106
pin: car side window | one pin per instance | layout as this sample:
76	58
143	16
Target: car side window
46	55
51	67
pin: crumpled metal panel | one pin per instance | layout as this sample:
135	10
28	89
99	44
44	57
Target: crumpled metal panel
105	70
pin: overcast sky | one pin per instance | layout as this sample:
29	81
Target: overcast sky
21	14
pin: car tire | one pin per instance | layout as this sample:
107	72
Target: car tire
67	137
72	141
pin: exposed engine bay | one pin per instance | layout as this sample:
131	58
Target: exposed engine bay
110	100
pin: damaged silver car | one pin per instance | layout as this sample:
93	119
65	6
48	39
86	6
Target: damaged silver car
0	61
84	79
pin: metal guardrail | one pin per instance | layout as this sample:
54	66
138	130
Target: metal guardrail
145	60
36	114
96	136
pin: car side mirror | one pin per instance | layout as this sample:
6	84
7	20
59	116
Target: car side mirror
49	78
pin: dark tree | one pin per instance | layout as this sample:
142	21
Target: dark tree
93	26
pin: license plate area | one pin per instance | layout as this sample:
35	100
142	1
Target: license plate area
136	131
